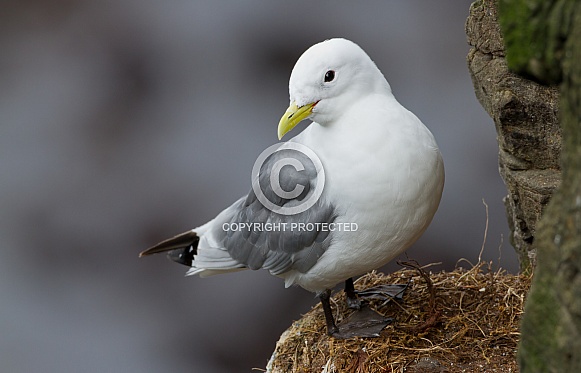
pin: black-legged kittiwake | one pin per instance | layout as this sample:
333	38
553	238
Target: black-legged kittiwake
345	196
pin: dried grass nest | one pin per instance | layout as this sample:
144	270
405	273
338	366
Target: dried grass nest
469	322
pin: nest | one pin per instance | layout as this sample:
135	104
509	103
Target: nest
459	321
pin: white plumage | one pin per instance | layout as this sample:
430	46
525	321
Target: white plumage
383	172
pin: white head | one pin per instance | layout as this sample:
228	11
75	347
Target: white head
330	75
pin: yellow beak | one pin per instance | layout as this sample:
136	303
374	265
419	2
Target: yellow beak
293	116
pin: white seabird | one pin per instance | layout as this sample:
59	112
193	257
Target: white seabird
376	188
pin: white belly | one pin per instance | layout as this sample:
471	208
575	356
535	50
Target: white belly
390	189
381	228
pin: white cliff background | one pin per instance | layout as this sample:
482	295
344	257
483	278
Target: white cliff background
125	122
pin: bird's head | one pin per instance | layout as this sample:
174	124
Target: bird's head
330	75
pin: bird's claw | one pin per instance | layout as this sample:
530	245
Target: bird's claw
354	303
364	323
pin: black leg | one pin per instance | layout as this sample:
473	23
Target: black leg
352	299
362	323
331	326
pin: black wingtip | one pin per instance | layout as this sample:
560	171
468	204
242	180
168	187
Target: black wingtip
184	255
181	241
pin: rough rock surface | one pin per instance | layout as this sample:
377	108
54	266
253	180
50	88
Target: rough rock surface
526	119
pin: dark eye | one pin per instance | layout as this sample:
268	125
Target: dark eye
329	76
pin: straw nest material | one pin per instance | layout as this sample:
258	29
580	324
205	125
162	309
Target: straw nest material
459	321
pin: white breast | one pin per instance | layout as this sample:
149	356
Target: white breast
390	188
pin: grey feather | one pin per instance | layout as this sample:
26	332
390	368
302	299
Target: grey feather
285	249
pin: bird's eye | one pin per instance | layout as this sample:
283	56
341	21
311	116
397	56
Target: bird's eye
329	76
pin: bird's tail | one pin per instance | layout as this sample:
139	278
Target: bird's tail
180	249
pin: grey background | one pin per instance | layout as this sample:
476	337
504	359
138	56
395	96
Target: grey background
125	122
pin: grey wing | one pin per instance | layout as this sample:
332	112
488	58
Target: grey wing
274	241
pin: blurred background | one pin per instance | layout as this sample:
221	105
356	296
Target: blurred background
125	122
